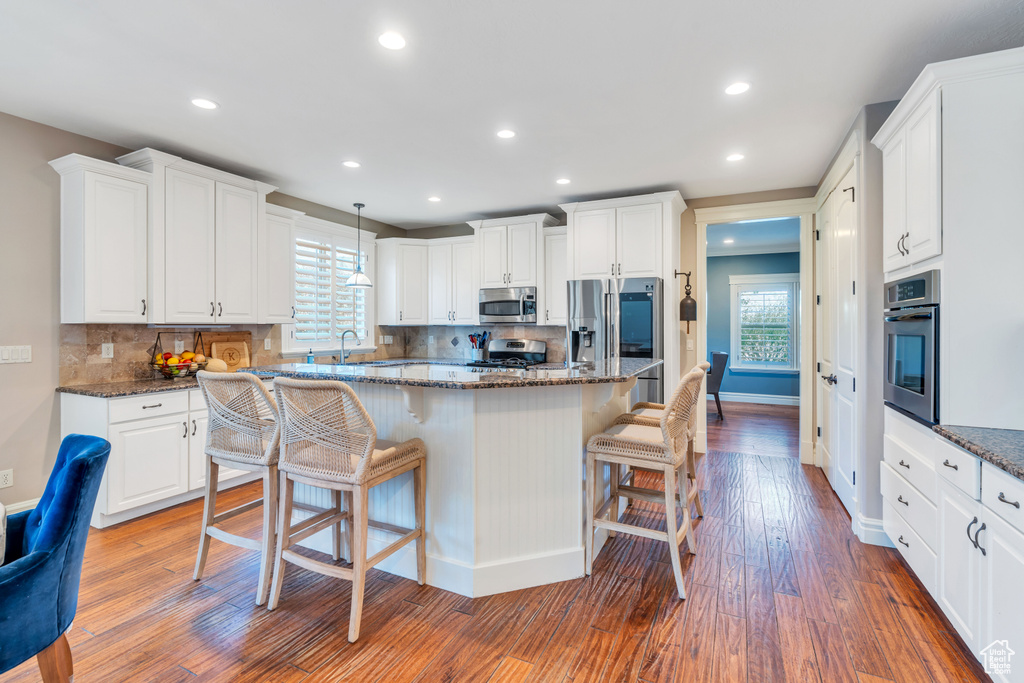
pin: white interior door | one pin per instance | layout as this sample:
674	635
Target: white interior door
826	345
439	259
237	258
844	316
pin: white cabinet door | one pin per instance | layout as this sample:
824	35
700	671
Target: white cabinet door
556	269
237	256
277	271
894	203
924	181
959	561
1002	600
114	255
594	244
413	308
148	461
189	248
522	255
439	262
638	241
465	293
493	243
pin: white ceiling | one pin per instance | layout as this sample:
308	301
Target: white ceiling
772	236
619	96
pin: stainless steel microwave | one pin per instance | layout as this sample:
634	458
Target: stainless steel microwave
515	305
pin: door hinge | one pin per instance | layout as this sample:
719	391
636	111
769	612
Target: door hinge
817	235
855	384
819	432
853	193
819	299
819	367
854	478
855	288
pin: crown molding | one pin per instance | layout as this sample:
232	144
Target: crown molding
72	163
149	159
283	212
545	220
671	196
747	212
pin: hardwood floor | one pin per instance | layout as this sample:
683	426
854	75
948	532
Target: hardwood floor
779	590
754	428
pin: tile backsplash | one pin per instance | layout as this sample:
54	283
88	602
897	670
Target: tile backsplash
418	344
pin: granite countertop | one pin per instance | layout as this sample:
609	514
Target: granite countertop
1003	448
420	374
133	388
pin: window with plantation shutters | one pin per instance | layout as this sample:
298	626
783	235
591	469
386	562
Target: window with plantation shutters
764	322
324	306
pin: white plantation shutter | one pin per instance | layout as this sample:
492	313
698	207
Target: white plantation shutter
764	325
350	302
313	288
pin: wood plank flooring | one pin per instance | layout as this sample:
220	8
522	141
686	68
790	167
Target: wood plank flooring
754	428
779	590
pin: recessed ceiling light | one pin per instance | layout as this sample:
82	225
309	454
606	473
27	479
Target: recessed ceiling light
391	40
734	157
205	104
506	133
728	241
737	88
351	164
563	181
433	199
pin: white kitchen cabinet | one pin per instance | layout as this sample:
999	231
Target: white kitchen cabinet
103	241
1002	567
451	265
465	292
618	242
190	248
276	296
402	282
510	250
894	207
493	243
148	462
439	278
522	255
556	274
237	259
594	247
959	566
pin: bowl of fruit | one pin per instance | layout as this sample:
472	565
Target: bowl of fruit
171	366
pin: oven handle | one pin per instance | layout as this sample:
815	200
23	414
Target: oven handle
915	315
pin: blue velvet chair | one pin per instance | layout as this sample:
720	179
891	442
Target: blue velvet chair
44	552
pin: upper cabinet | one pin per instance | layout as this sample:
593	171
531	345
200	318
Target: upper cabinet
276	296
911	144
617	241
403	289
103	242
204	237
451	282
556	274
510	250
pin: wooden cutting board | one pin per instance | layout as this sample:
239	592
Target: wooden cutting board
235	353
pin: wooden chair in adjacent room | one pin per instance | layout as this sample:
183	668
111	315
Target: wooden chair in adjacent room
242	434
661	448
329	441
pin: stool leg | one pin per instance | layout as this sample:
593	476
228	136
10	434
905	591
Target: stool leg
590	474
336	528
209	507
358	562
683	484
268	546
350	506
284	533
420	495
691	474
613	469
671	528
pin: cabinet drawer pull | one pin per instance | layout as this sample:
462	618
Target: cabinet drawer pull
1014	503
155	405
185	425
900	539
220	309
900	499
143	307
973	522
947	464
903	464
293	313
213	309
977	543
193	427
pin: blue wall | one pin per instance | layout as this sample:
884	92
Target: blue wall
720	318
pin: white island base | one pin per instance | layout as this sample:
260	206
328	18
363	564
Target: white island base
505	489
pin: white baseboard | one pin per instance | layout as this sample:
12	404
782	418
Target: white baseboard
806	453
769	399
15	508
870	531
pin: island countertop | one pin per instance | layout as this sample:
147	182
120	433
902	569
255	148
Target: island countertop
439	376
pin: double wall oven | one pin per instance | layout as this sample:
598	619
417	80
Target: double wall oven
912	346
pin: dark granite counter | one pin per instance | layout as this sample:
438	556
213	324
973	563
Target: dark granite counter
439	376
133	388
1003	448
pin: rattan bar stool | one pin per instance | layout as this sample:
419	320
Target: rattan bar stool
650	414
329	441
242	434
660	448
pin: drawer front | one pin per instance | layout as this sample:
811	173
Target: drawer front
911	434
915	467
913	507
148	405
915	551
1003	494
959	467
196	400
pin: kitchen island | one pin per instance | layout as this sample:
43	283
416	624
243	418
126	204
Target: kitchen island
505	456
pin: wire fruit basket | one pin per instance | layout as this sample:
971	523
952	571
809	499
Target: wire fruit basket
188	363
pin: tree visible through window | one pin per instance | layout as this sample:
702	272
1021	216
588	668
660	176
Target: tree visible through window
764	325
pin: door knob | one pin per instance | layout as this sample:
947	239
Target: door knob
831	379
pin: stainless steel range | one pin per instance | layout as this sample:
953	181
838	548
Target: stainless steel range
512	354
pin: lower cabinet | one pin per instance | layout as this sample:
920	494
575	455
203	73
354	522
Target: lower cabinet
148	461
1002	567
959	567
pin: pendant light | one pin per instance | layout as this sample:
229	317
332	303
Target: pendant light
358	278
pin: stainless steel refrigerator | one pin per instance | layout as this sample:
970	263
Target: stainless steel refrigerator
610	319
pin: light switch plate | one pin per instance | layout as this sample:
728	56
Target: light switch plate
179	347
388	339
107	351
430	339
689	345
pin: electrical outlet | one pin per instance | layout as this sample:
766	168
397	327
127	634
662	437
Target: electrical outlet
107	351
430	339
380	339
266	344
689	345
6	478
388	339
179	347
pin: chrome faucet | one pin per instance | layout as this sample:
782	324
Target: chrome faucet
346	354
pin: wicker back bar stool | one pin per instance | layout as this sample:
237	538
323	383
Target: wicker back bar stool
650	414
329	441
661	448
242	434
